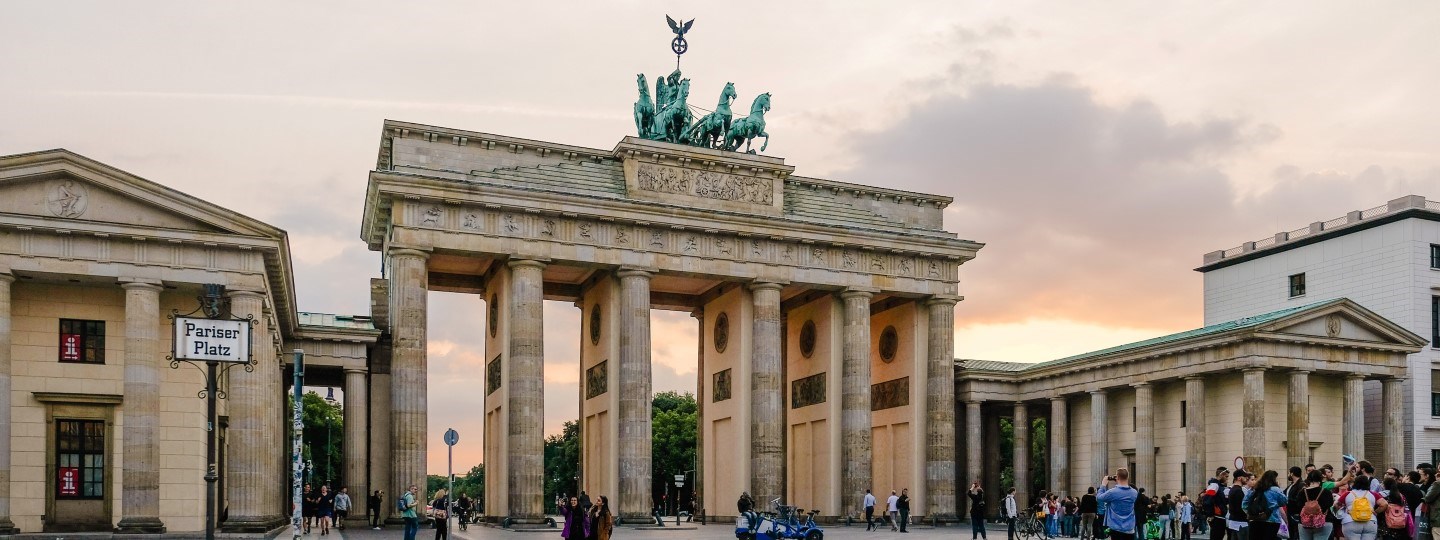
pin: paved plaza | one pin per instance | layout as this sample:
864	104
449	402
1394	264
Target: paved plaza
688	531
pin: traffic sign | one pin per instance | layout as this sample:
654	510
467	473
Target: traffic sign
451	437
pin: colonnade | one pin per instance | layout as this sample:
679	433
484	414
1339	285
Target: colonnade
1252	443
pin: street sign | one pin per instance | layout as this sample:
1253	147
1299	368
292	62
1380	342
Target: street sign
451	437
218	340
679	478
1239	463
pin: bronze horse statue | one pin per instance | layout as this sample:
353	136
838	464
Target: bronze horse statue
671	122
709	131
644	109
747	128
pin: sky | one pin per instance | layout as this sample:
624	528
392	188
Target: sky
1098	150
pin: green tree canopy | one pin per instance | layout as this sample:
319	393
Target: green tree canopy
324	437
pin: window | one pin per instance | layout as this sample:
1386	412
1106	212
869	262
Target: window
1434	456
82	341
1435	395
1134	418
1435	256
1297	285
1184	478
1435	321
1184	420
79	459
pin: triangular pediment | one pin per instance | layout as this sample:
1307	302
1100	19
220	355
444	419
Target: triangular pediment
1343	319
59	186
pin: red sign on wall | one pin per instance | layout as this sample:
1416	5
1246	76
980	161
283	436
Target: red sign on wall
70	347
69	481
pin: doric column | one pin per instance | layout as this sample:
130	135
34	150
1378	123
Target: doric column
1297	420
940	410
990	461
251	487
1393	441
140	473
1099	434
6	525
975	444
855	450
702	393
767	452
526	407
1252	424
409	282
356	433
1352	425
1059	433
1020	452
634	439
1194	433
1144	436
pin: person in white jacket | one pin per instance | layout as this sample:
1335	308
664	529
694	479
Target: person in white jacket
1011	512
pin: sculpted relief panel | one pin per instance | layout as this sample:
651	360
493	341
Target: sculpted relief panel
706	184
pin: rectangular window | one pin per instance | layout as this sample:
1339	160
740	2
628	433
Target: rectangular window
79	459
1435	321
1184	419
1434	457
1434	393
82	341
1134	418
1435	256
1297	285
1184	477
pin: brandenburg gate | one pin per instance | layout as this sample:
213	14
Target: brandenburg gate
825	313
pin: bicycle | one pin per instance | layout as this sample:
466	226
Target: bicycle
1028	526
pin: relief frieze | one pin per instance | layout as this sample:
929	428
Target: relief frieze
705	184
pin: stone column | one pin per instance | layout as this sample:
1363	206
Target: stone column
990	461
1393	441
251	486
855	450
702	395
356	433
1195	468
974	444
409	281
767	430
1059	433
940	410
1020	453
140	473
1352	425
1297	421
526	407
6	525
1252	424
1099	434
633	322
1144	436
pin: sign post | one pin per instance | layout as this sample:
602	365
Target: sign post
451	437
297	427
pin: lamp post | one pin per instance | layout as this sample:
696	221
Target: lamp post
329	440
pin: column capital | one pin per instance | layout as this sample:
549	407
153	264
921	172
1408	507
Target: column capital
759	285
1054	399
1252	369
635	271
141	284
1099	392
1353	376
1194	378
857	293
534	263
942	299
698	313
974	402
6	277
1396	379
408	252
357	370
1139	385
1301	371
241	293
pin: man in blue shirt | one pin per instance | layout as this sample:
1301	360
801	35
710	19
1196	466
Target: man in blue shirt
1119	500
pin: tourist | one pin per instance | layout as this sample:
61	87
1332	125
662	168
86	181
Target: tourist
462	510
602	522
307	506
1432	501
893	510
1186	513
1144	507
372	508
1087	515
1358	509
407	511
575	521
325	509
1236	519
1393	517
1296	478
1407	484
1072	518
1264	506
441	509
1012	512
1423	521
1311	504
1119	499
977	510
903	505
1163	512
746	506
868	502
1365	468
1052	515
1213	501
342	507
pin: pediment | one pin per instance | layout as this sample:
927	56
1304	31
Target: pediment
59	186
1345	320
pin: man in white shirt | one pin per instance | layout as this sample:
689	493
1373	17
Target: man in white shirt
1011	511
869	505
894	511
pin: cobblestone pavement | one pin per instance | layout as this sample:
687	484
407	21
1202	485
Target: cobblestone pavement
687	531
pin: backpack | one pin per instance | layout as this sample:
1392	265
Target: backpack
1361	510
1395	517
1259	507
400	504
1311	516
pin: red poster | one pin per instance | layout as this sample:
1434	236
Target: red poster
69	481
70	347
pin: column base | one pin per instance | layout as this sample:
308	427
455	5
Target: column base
637	518
140	525
252	525
8	527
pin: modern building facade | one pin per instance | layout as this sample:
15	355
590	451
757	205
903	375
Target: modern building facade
1385	258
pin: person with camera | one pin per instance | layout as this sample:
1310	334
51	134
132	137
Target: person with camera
1119	499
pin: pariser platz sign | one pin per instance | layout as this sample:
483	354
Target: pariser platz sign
216	340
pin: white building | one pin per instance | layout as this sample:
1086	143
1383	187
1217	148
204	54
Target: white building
1387	259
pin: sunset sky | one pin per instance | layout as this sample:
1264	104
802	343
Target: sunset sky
1097	149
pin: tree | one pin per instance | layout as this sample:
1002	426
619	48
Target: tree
674	422
562	464
323	437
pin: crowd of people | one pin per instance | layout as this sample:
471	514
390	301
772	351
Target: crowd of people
586	520
1310	503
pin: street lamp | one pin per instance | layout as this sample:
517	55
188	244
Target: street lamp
329	441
